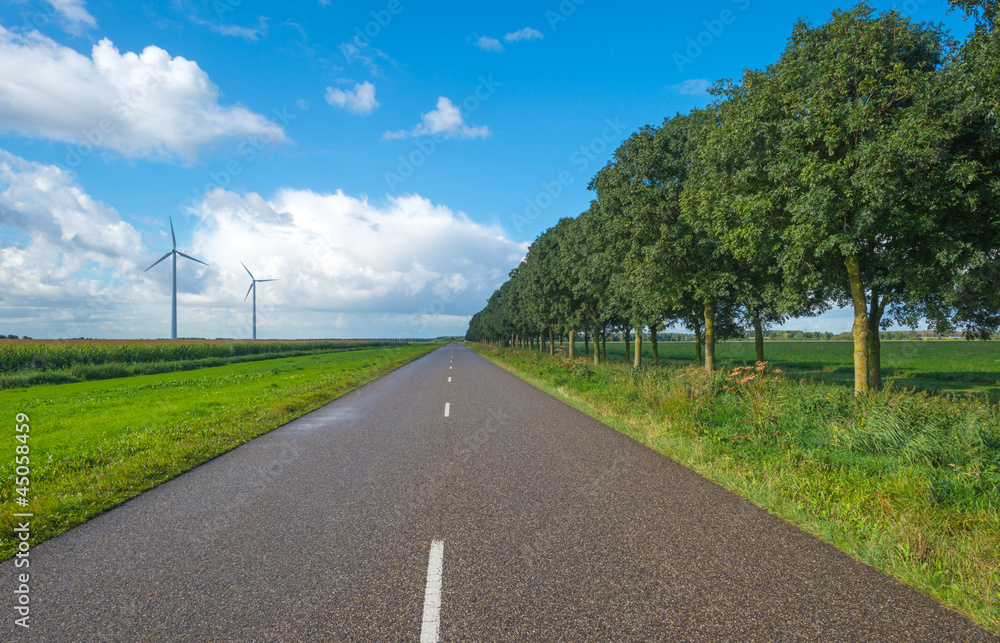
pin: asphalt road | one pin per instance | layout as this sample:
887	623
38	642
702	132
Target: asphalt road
549	526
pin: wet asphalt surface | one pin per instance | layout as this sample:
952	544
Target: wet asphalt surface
555	528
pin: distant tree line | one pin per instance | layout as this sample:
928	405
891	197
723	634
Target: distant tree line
862	169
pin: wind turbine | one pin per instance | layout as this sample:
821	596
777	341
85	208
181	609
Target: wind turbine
253	287
173	253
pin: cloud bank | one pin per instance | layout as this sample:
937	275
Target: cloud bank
73	266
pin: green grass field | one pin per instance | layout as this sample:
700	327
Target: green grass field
93	445
908	482
944	366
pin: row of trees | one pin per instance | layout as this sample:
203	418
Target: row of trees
862	169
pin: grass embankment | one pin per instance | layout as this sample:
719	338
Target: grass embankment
96	444
906	482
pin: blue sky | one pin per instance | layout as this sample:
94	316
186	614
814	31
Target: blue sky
387	161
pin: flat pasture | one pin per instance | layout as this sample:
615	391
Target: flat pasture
939	366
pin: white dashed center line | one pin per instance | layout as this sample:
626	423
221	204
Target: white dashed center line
447	408
432	595
449	379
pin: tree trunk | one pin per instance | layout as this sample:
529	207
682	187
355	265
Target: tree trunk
697	341
604	344
758	335
638	348
586	343
597	347
552	344
710	335
572	343
875	343
628	343
653	330
860	330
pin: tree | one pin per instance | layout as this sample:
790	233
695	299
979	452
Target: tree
862	216
730	181
980	54
668	270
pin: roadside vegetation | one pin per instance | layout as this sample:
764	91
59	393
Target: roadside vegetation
908	482
94	445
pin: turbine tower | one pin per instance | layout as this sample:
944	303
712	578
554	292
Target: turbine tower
253	286
173	253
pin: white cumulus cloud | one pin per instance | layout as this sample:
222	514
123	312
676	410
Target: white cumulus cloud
360	100
446	120
486	43
524	34
147	105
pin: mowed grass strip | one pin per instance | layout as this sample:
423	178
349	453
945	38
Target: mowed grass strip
908	483
96	444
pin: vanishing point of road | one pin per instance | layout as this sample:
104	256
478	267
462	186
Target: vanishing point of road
451	501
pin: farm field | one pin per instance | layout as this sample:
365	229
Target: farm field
946	366
93	445
33	362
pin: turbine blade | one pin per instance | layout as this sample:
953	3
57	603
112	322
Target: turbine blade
189	257
159	260
263	280
252	284
172	235
247	269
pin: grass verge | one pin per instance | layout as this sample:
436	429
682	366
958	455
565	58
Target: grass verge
94	445
906	482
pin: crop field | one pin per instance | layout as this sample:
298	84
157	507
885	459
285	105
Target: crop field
94	445
30	362
945	366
